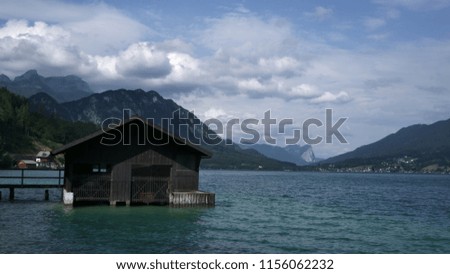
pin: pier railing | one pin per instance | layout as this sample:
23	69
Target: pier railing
30	178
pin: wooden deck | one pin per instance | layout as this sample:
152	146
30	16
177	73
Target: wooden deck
192	198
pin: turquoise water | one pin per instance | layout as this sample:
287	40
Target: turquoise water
256	212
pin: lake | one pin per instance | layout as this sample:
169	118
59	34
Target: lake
255	212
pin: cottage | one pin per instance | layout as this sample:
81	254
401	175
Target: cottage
135	162
26	164
44	159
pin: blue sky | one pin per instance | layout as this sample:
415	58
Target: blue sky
384	64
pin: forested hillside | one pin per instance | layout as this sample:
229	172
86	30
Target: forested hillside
20	129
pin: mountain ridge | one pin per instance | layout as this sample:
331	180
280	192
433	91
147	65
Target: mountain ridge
297	154
99	107
61	88
424	145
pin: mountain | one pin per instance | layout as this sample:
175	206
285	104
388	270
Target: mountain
419	145
305	152
299	155
63	89
45	104
234	157
4	80
99	107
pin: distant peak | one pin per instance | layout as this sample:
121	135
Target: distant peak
31	72
4	78
29	75
42	95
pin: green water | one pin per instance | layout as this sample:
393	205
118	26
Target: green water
256	212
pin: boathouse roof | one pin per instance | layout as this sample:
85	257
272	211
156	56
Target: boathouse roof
180	141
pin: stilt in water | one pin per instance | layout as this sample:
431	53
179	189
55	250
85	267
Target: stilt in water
46	195
11	194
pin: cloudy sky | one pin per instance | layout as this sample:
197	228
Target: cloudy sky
384	64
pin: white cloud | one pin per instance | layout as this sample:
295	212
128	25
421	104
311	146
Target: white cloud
106	32
252	85
166	65
106	66
185	68
385	16
416	4
51	49
304	91
24	46
51	10
392	13
143	60
214	113
20	29
328	97
176	45
374	23
378	36
279	65
95	28
320	13
247	36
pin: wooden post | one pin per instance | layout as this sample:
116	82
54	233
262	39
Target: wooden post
0	195
46	195
11	194
21	181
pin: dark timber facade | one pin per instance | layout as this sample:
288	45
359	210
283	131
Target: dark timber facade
133	163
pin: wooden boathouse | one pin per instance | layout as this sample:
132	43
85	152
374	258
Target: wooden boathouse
135	162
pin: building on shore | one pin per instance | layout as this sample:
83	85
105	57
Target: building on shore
44	159
26	164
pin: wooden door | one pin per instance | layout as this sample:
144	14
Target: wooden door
150	184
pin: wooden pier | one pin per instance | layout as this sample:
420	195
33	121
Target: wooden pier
192	198
6	181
